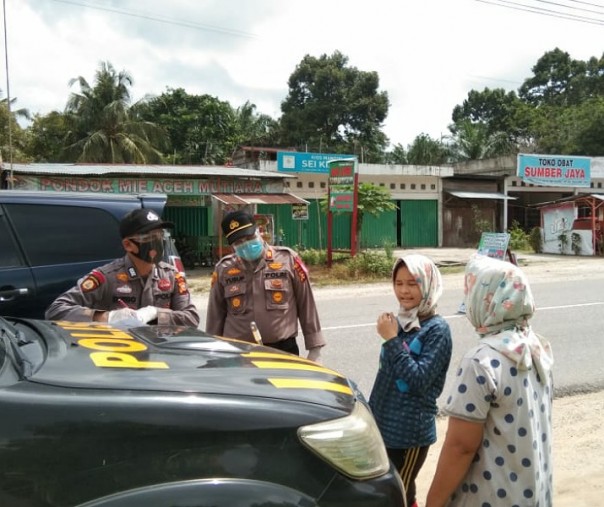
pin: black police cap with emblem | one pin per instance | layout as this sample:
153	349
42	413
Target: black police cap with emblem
237	224
140	221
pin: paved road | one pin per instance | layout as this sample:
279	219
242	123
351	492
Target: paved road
569	296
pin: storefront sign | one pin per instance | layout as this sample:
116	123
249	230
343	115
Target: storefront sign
294	162
555	170
170	186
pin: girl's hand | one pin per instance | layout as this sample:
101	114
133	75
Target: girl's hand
387	326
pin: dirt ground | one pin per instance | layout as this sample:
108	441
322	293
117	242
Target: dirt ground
578	452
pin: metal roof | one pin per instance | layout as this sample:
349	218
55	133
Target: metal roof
158	170
480	195
259	199
572	198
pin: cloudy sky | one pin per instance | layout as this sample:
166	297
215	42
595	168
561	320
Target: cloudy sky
428	53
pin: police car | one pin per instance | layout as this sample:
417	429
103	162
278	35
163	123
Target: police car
92	415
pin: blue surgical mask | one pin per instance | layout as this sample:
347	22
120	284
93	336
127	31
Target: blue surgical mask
250	250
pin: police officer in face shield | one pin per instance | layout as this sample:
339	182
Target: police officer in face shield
264	286
136	289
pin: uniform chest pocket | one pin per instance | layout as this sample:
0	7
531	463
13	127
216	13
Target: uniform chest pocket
277	293
234	296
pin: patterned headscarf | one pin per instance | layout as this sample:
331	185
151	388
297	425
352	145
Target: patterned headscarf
499	304
430	282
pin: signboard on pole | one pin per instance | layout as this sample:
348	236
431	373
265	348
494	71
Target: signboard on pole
299	211
494	244
341	185
555	170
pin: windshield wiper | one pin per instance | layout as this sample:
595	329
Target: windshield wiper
16	339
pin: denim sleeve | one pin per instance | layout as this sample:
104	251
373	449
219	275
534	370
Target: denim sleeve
419	358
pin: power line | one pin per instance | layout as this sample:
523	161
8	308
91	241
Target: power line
544	12
168	21
570	8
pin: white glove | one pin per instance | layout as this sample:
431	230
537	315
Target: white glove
120	315
147	314
314	354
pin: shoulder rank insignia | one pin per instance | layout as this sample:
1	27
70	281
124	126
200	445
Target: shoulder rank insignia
181	283
214	279
300	269
93	281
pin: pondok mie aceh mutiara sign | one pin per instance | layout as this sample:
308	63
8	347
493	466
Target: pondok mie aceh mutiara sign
555	170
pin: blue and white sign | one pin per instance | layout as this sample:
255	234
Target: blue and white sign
300	162
555	170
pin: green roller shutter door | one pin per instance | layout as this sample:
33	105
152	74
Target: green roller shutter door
418	223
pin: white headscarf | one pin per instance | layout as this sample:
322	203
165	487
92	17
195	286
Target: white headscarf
428	278
499	304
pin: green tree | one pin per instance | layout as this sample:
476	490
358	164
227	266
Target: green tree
13	138
557	80
472	141
499	112
398	155
102	128
332	106
255	129
427	151
46	137
202	129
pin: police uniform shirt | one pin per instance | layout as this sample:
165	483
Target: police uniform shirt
112	285
275	293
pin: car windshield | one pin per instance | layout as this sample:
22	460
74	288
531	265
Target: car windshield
22	346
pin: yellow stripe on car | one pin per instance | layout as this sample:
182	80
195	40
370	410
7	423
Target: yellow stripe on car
282	365
294	383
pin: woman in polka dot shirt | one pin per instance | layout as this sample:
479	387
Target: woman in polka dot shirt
414	360
498	448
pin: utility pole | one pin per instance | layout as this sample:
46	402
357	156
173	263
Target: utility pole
10	134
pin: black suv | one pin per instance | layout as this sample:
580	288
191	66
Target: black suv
94	416
48	240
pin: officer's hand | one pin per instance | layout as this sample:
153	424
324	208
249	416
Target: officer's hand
122	316
314	354
147	313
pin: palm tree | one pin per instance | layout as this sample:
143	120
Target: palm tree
104	127
472	141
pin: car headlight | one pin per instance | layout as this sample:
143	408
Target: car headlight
352	444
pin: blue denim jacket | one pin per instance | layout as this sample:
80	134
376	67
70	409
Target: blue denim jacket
410	378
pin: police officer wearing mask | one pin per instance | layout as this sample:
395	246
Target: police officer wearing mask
136	289
262	284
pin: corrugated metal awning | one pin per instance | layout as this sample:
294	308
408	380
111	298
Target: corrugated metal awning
244	199
480	195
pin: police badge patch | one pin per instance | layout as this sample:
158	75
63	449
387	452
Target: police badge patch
92	282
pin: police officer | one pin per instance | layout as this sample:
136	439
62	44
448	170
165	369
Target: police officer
138	288
264	284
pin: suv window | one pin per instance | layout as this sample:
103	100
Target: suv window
9	253
55	233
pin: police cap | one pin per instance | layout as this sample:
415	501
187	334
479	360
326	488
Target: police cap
237	224
140	221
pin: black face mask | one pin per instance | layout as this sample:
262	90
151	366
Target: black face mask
145	249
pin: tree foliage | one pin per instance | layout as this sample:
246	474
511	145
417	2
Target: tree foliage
332	106
13	139
102	128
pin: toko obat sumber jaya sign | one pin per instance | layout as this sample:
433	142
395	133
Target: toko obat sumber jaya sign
555	170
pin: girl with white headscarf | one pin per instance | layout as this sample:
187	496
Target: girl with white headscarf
498	447
414	360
